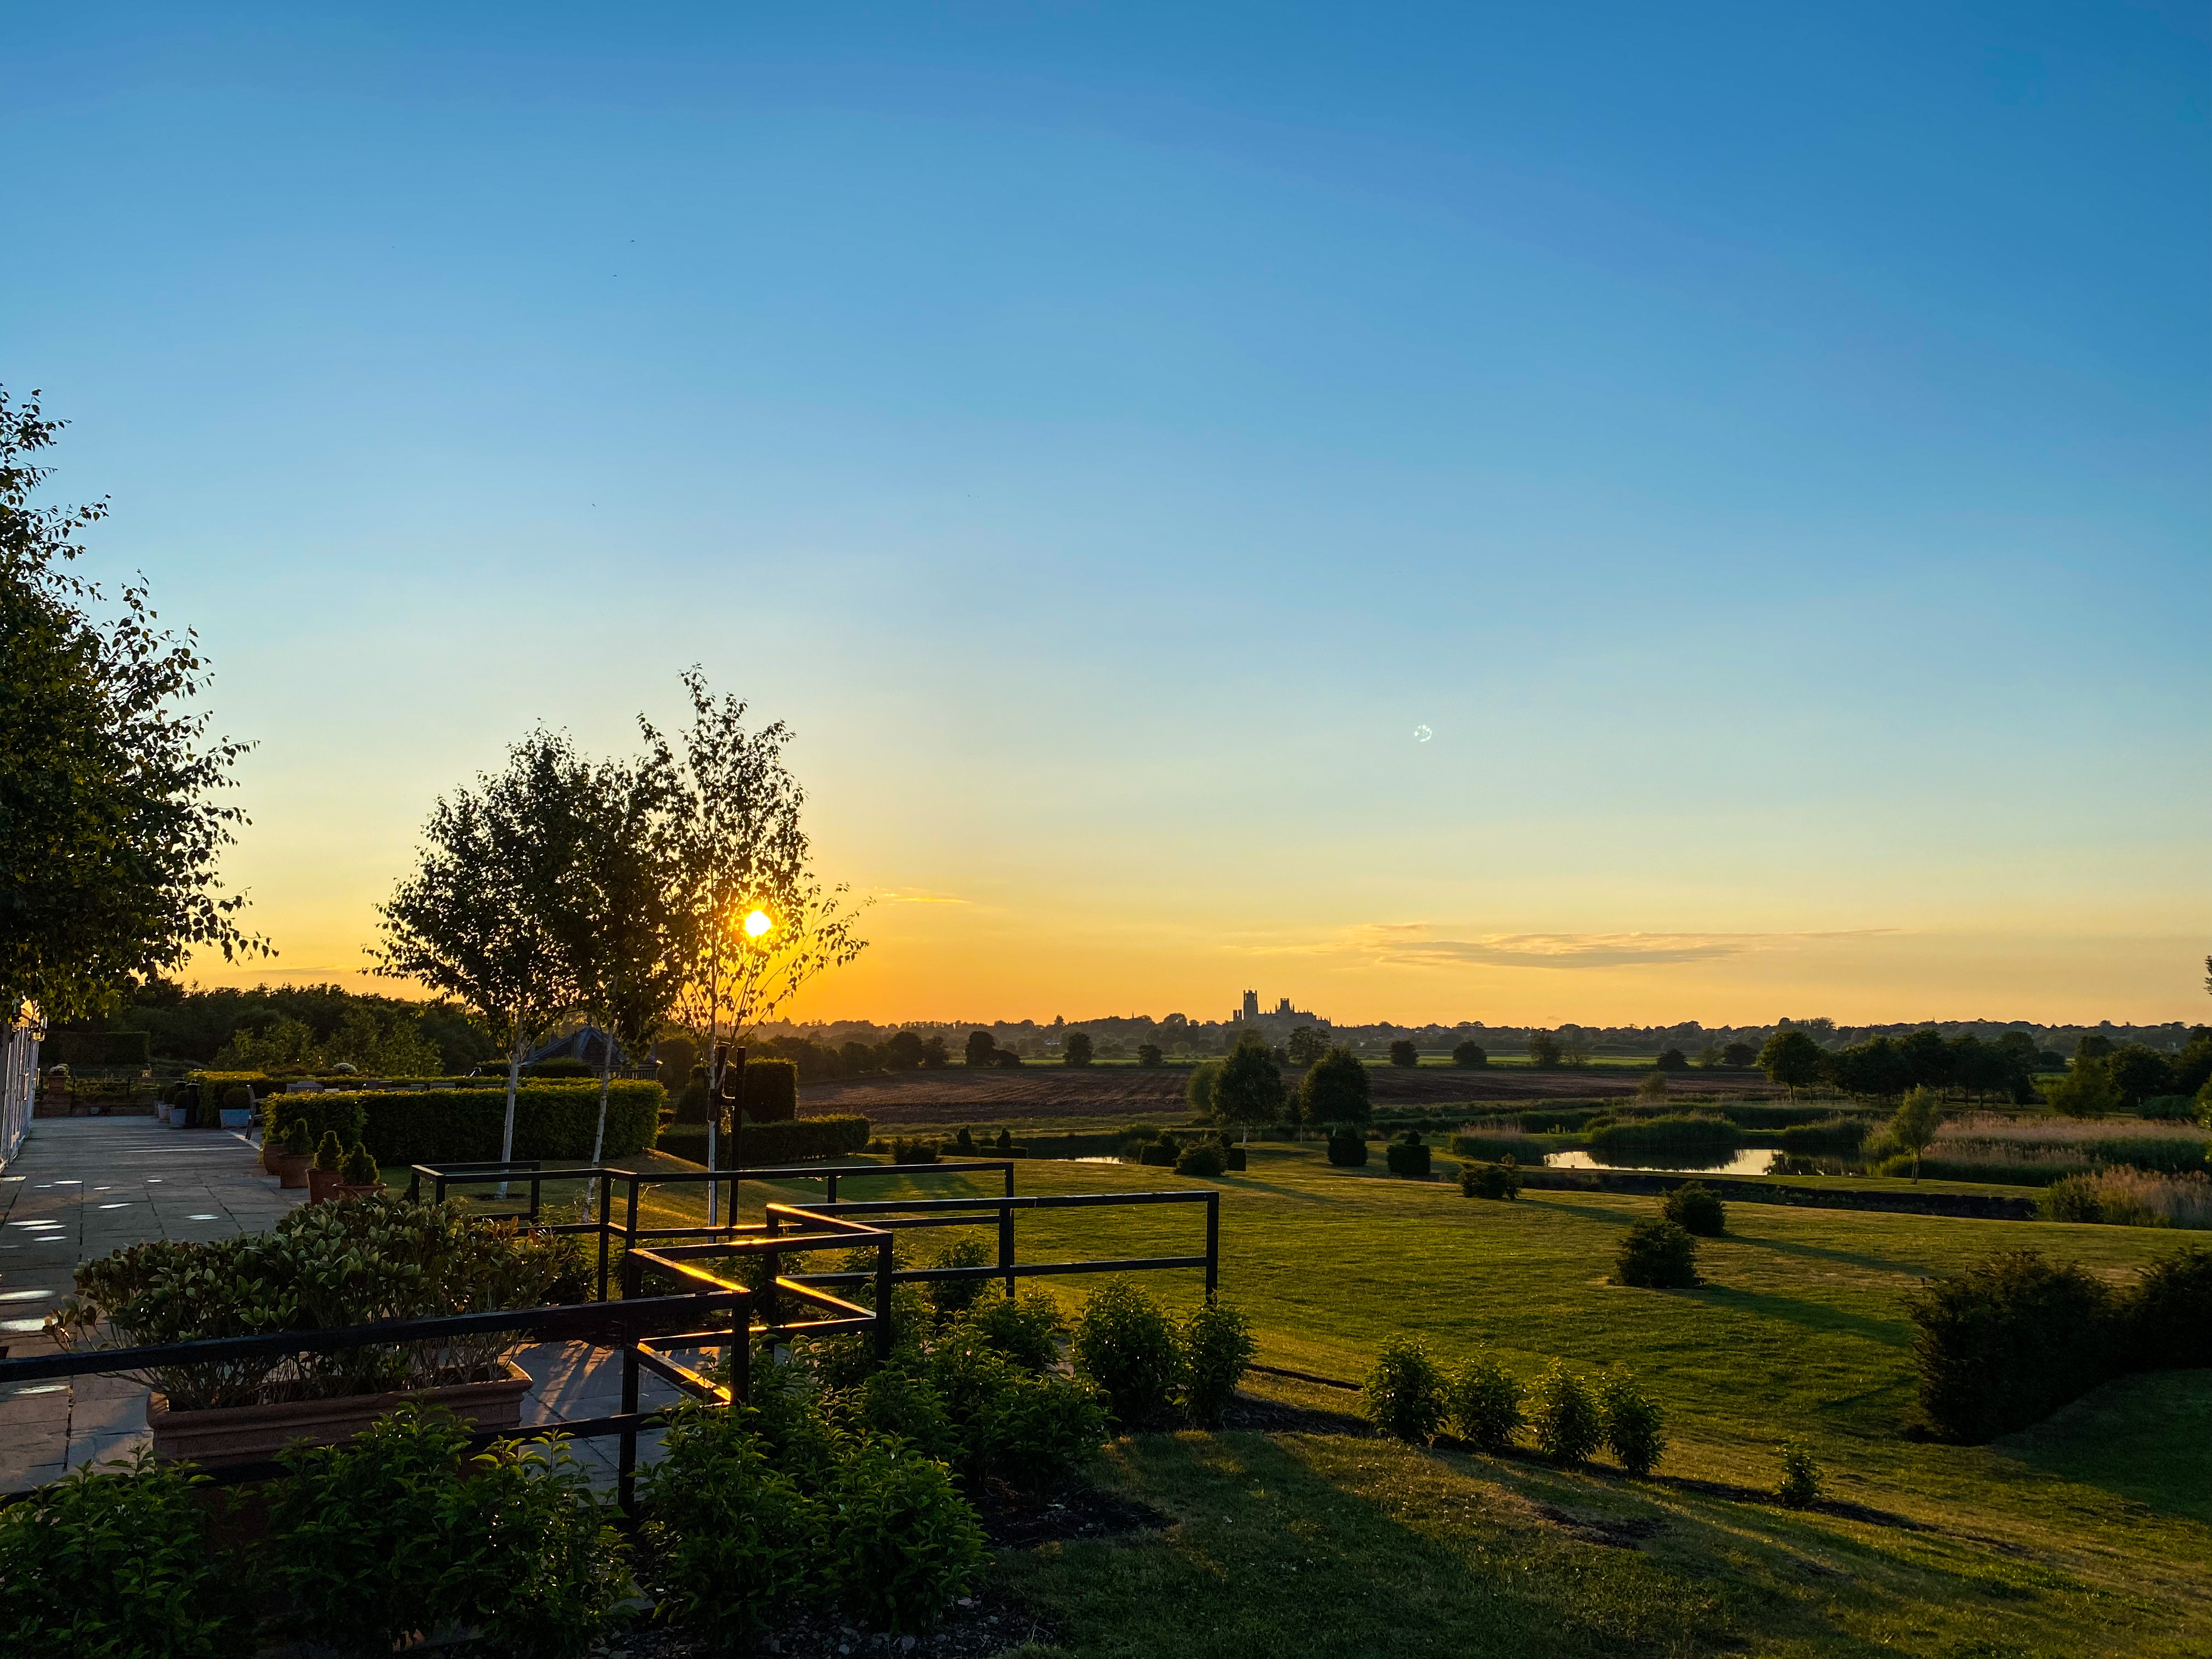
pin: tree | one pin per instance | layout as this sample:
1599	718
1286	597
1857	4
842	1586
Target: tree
624	933
1737	1056
2092	1046
903	1051
981	1051
1710	1055
1790	1059
1544	1051
2138	1070
1148	1054
1198	1088
1403	1053
1078	1048
757	925
1673	1060
484	917
108	779
1250	1087
1917	1119
1304	1046
2087	1090
934	1056
1471	1054
1335	1091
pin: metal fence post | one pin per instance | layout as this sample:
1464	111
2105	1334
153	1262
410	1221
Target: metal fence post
1213	1245
626	1467
884	1333
771	1303
1006	1244
606	1220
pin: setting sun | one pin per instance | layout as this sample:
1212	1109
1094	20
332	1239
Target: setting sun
757	924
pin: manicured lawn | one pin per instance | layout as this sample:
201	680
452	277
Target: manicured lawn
2089	1535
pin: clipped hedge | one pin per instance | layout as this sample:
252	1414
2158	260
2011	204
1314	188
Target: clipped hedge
765	1144
324	1114
553	1121
771	1091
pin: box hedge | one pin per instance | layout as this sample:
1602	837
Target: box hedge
771	1091
554	1123
768	1144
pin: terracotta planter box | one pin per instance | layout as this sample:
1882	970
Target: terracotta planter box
322	1186
292	1172
255	1434
347	1190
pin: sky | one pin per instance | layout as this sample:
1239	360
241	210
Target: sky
1608	513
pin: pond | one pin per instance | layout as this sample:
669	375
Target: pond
1751	1161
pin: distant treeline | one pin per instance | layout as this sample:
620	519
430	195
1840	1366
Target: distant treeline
309	1027
1885	1067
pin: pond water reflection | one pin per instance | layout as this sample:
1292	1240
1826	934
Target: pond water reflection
1751	1161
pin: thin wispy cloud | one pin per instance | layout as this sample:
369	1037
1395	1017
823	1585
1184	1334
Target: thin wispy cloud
1420	945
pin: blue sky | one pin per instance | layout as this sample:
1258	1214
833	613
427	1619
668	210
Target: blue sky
1767	450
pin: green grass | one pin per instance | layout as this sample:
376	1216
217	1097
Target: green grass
2088	1535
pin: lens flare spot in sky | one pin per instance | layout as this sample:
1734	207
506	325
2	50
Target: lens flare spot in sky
1422	734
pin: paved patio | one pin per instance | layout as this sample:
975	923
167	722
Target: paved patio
81	1188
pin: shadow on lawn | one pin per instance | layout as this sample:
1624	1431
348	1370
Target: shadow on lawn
1812	1315
2125	1439
1874	1263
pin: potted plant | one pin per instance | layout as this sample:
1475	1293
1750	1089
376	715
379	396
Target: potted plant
358	1175
323	1177
293	1155
237	1107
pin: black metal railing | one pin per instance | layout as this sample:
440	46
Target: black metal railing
720	1313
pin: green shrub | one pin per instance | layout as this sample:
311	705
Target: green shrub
1659	1255
391	1534
117	1562
1404	1392
2168	1311
2008	1341
1799	1485
2073	1198
902	1542
1696	1208
1483	1401
1633	1425
1406	1156
1008	1424
1026	1331
736	1538
893	1399
1205	1160
912	1150
949	1297
1216	1348
358	1169
1124	1344
1565	1417
238	1098
295	1139
1499	1180
329	1155
1347	1151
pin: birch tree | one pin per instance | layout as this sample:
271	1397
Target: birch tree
487	916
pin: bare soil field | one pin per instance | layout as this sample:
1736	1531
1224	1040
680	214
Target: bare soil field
1041	1093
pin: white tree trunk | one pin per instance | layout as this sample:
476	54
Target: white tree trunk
513	1077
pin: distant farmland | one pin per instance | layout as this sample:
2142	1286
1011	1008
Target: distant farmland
1041	1093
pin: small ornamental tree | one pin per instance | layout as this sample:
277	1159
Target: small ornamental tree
1250	1089
1336	1090
1916	1123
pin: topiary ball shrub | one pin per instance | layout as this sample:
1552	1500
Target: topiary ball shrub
1216	1346
1696	1208
117	1561
1348	1150
1633	1425
1568	1424
1406	1156
1404	1393
1799	1485
1483	1400
1657	1256
238	1098
1205	1160
902	1541
1124	1344
295	1141
359	1168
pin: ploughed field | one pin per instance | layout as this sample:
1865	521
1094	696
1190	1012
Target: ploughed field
1295	1533
1031	1094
